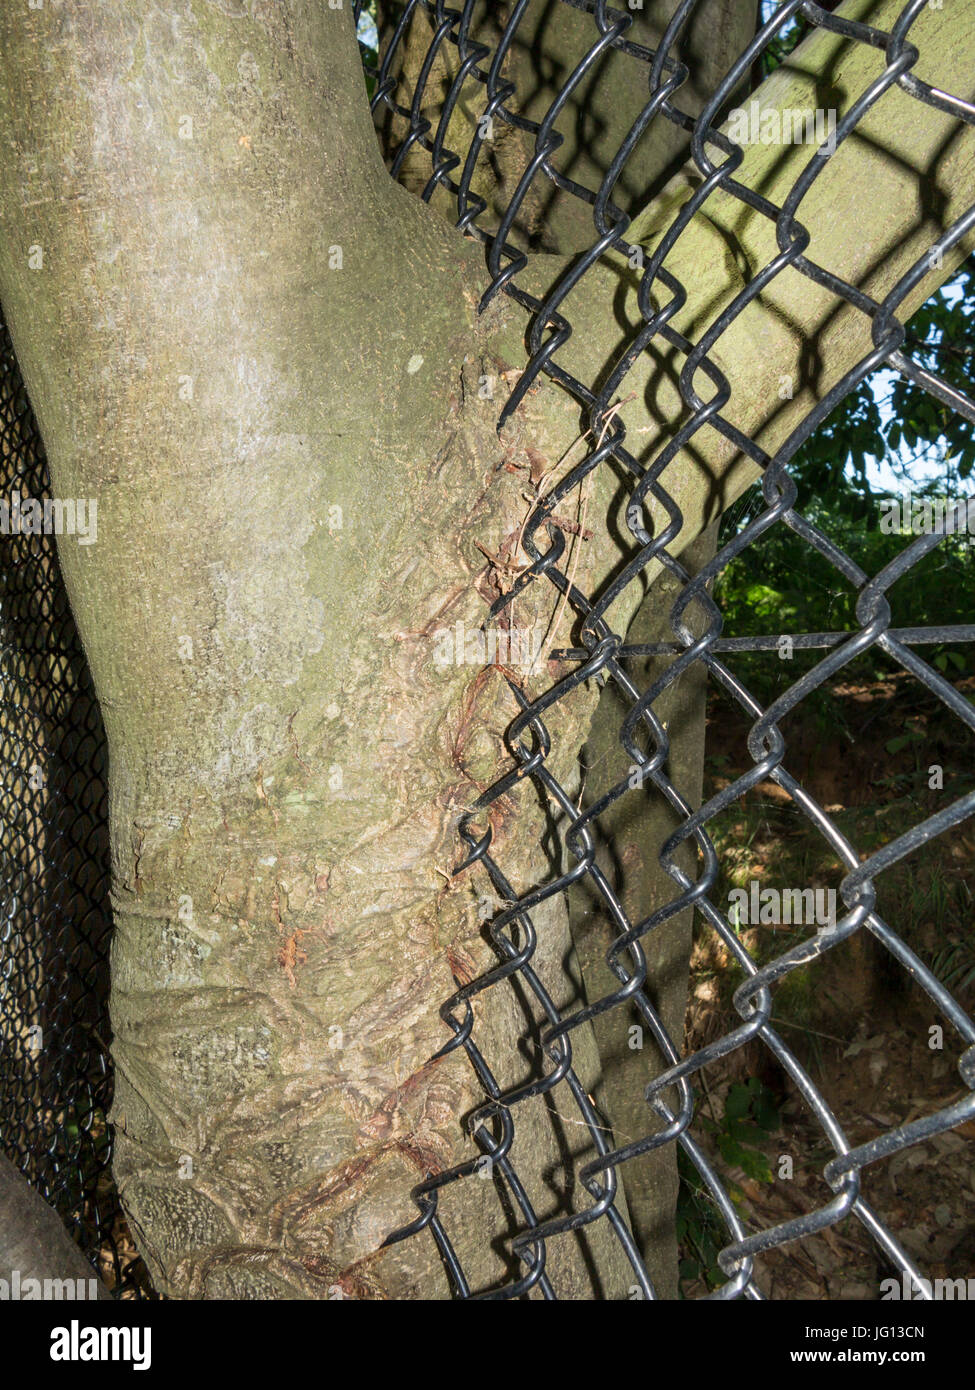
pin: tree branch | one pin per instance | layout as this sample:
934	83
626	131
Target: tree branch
33	1241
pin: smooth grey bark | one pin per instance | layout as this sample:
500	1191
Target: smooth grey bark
269	434
296	477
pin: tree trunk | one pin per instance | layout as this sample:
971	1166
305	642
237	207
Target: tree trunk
632	833
35	1246
263	359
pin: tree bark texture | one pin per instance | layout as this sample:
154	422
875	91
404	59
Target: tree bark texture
264	360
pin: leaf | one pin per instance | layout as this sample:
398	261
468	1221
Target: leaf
756	1166
766	1113
731	1151
902	741
738	1101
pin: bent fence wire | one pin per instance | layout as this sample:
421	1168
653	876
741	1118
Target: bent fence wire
480	76
55	1074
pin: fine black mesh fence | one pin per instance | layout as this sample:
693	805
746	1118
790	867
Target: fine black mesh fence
523	153
55	1070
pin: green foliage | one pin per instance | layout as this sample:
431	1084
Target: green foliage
780	584
367	36
750	1114
700	1229
890	417
954	965
940	340
786	39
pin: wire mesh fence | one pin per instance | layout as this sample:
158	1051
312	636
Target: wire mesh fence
442	70
435	61
55	1069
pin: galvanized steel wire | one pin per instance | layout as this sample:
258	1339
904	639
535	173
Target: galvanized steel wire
605	654
55	923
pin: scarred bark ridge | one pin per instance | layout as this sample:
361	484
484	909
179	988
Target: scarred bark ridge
283	947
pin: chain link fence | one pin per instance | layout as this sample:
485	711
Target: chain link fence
436	61
55	1074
